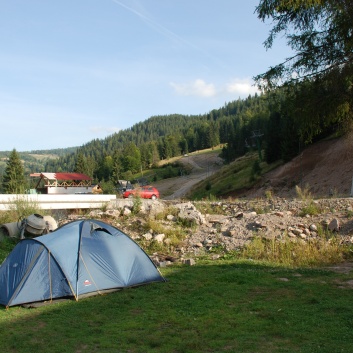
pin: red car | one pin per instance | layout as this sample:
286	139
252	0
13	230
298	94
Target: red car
146	192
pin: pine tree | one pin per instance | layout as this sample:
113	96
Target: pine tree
80	165
14	181
319	33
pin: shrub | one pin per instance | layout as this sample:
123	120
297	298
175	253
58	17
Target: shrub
22	207
303	194
137	204
311	209
174	234
296	253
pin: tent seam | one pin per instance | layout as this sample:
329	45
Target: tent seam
29	268
62	270
83	261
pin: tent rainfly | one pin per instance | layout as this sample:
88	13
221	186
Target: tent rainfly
81	258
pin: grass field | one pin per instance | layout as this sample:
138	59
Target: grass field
220	306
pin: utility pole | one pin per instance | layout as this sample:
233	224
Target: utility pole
256	138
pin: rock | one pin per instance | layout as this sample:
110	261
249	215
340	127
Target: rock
334	225
126	211
188	211
251	214
167	241
147	236
95	214
159	238
112	213
306	231
313	227
296	231
235	227
190	262
233	233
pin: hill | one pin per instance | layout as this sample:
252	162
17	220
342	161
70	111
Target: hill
35	161
324	169
202	164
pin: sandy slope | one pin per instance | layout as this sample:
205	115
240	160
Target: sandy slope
325	168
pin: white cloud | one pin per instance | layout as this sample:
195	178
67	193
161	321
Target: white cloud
199	87
104	130
242	87
196	88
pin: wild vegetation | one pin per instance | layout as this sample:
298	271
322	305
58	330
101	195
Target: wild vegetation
303	99
249	305
266	298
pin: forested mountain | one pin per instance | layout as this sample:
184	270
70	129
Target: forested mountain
34	161
307	97
280	122
273	122
162	137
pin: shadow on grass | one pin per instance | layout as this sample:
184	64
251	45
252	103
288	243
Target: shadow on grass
210	307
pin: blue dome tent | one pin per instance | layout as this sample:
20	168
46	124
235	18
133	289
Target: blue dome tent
81	258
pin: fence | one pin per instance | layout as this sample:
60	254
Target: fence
56	202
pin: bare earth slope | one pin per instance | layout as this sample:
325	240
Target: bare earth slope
326	168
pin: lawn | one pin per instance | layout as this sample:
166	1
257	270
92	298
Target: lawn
214	306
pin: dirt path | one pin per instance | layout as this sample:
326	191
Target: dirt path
325	169
202	165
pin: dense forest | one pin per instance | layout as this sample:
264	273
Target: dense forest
34	161
276	122
305	98
161	137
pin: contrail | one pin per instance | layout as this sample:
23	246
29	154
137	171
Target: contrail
158	27
171	35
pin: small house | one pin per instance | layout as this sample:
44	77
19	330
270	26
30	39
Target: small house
62	183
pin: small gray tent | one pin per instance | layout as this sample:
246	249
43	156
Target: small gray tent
81	258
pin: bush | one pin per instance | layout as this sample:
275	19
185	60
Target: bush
303	194
296	253
22	208
136	206
311	209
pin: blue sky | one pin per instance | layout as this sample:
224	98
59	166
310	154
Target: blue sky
73	71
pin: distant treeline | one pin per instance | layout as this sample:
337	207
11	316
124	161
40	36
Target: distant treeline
281	123
34	161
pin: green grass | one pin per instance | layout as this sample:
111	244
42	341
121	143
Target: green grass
323	250
231	178
223	306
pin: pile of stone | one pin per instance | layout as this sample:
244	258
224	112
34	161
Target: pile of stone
230	225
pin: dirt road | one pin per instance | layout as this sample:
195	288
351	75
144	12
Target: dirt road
202	165
324	168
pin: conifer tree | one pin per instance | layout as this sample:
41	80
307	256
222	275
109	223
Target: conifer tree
80	165
319	32
14	181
